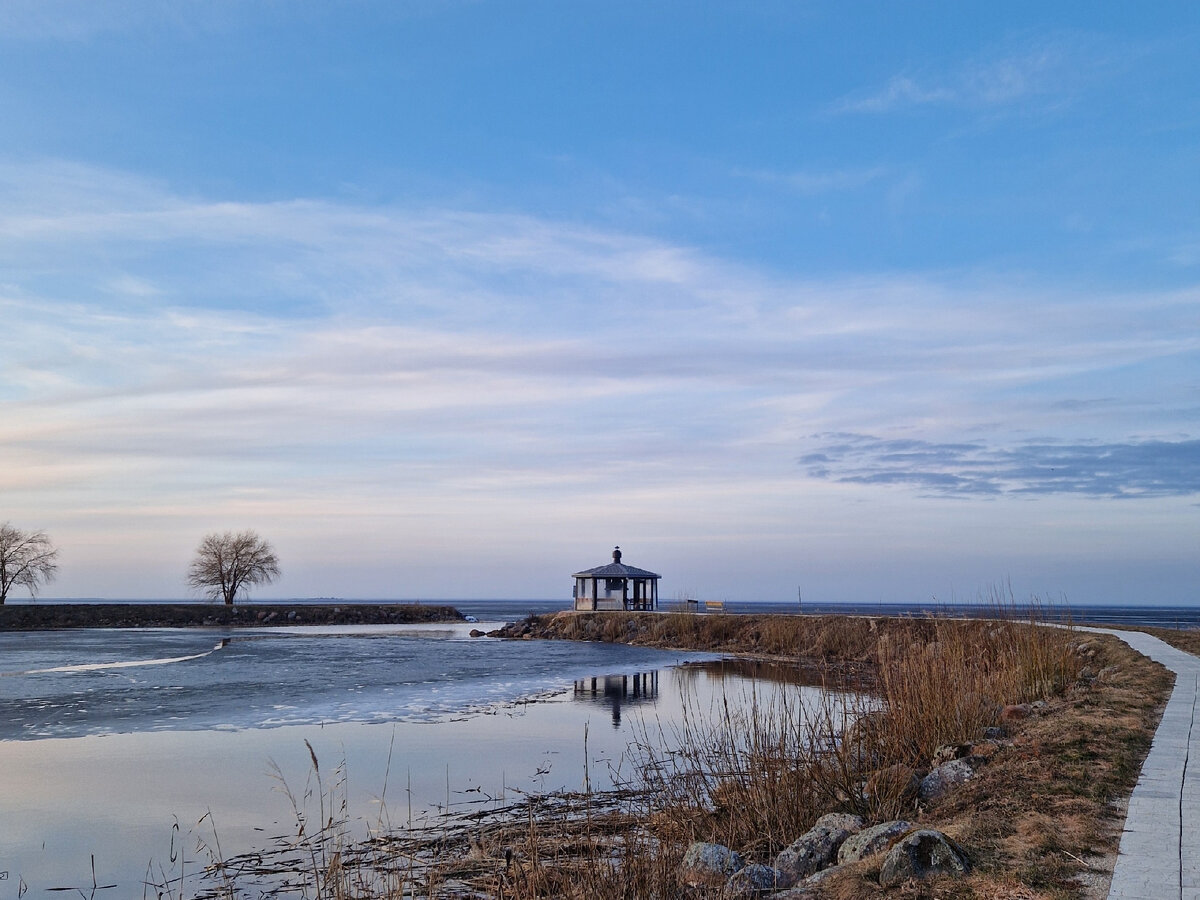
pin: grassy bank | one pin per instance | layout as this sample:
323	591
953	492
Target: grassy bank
1039	819
1056	723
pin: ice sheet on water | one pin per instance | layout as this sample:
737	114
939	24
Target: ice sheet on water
71	683
121	664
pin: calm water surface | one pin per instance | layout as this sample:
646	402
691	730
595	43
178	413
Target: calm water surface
108	738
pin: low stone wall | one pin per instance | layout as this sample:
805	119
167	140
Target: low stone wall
40	617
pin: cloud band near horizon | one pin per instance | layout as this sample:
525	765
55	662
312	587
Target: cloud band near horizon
1134	469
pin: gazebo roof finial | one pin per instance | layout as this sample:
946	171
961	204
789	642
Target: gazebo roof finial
616	554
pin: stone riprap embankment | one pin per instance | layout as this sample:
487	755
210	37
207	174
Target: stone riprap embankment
41	617
908	854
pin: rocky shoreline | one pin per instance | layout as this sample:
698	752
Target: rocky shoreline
38	617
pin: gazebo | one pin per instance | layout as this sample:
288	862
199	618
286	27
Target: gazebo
616	586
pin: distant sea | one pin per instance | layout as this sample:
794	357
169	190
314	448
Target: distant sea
509	610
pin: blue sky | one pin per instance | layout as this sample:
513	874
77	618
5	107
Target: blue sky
887	301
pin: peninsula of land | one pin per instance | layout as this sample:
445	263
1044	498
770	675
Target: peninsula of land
41	617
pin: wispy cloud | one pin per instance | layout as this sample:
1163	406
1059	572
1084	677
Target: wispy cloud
1134	469
109	266
1048	68
900	91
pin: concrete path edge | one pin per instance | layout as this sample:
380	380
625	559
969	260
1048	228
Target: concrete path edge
1159	855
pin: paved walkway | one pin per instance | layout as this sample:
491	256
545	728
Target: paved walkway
1159	857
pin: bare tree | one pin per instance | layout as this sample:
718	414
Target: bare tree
27	559
227	563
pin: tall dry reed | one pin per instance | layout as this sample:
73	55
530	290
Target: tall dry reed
757	773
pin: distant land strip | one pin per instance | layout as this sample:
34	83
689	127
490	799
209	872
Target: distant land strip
32	617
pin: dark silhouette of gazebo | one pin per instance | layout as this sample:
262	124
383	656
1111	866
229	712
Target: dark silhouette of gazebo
616	586
619	690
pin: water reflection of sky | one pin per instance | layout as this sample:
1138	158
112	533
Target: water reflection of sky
136	759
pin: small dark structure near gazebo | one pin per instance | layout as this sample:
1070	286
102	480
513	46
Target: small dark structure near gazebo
616	586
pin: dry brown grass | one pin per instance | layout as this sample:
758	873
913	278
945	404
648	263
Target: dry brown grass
842	639
1044	811
1037	815
949	688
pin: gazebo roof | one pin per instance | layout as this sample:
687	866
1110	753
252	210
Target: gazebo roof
616	569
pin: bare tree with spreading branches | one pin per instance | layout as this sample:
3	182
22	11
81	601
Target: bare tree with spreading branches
27	559
228	563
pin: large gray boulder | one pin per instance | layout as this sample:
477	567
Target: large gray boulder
870	841
920	855
815	880
709	864
812	888
817	848
944	779
754	881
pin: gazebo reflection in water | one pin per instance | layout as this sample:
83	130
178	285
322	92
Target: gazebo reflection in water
618	690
